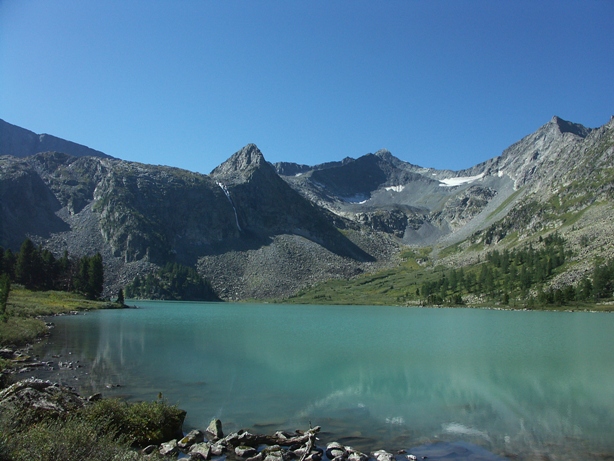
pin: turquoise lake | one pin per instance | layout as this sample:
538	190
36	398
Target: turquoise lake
516	383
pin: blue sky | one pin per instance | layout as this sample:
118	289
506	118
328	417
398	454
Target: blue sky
444	84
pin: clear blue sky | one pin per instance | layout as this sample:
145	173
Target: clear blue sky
444	84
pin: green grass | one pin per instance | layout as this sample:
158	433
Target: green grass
21	330
104	430
26	303
24	307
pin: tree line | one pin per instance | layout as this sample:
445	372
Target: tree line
518	274
36	268
172	282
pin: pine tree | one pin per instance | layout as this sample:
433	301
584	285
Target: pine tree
24	266
120	297
5	288
95	283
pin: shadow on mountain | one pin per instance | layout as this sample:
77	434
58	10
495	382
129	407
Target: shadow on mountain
27	207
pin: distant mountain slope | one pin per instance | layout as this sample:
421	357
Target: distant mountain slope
258	230
140	216
20	142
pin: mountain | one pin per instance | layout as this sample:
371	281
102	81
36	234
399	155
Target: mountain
258	230
20	142
245	229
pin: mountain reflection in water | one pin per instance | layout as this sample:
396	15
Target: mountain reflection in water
521	383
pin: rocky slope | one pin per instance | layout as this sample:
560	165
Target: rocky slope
257	230
242	226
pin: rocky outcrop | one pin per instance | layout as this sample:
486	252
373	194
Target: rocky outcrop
35	399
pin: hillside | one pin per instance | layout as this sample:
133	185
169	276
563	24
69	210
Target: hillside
563	180
257	230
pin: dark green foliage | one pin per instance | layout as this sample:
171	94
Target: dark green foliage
172	282
503	276
509	276
27	265
8	263
95	272
120	297
5	288
599	285
101	431
38	269
141	423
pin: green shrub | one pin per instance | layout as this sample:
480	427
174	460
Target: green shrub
21	330
64	440
142	423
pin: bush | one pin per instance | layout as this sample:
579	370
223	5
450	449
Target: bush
65	440
142	423
104	430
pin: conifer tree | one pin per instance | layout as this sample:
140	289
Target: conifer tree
5	288
24	266
95	283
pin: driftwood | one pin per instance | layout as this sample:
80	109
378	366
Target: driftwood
279	438
311	437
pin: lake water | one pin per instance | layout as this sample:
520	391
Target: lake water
516	383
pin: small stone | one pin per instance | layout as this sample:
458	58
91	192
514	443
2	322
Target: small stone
200	451
191	438
382	455
149	449
257	457
245	452
169	448
357	456
217	449
273	453
335	450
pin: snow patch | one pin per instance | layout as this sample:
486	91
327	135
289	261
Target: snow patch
500	173
451	182
395	188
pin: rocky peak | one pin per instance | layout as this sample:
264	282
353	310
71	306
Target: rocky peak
563	126
384	154
242	164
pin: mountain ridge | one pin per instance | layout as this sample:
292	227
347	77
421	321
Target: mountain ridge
262	230
20	142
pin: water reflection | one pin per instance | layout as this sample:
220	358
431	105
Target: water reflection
512	382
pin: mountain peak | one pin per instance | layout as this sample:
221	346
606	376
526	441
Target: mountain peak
248	158
384	154
564	126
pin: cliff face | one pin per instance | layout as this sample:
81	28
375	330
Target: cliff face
261	230
139	216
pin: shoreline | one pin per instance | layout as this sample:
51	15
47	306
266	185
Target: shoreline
46	399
